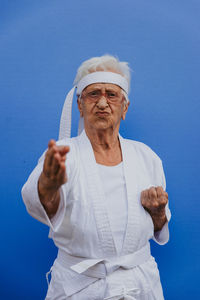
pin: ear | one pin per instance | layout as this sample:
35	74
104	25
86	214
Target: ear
125	109
80	107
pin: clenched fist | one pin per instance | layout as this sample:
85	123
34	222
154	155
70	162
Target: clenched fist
154	201
52	177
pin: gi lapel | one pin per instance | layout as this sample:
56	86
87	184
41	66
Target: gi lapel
97	196
131	172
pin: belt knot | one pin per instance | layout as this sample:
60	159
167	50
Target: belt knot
125	295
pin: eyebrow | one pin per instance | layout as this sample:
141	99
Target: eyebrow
99	89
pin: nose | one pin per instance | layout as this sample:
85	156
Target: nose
102	102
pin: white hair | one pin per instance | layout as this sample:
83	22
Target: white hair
105	63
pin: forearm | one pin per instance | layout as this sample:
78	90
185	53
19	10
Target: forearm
162	236
159	221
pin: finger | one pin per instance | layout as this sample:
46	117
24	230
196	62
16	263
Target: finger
162	196
166	194
63	150
144	198
159	191
48	159
55	164
59	159
144	194
51	143
48	168
63	158
152	194
62	176
163	201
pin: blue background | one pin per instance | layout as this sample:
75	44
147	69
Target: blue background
42	43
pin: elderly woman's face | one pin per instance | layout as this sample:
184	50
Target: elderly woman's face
102	105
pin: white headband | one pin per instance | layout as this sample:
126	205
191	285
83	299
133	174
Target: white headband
95	77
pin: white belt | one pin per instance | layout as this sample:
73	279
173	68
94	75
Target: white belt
100	268
90	270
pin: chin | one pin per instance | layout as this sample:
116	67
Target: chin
102	124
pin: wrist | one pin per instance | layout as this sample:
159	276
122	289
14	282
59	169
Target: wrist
159	222
46	191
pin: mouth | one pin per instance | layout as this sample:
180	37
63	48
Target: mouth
102	114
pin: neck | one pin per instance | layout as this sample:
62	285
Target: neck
106	146
103	139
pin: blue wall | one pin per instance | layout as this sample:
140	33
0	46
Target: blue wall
41	45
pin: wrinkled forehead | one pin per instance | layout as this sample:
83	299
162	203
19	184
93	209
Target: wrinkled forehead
102	87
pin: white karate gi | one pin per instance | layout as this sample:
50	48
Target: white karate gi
87	266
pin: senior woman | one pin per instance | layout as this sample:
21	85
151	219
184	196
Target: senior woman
102	196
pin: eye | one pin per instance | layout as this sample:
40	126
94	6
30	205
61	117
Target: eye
112	94
93	93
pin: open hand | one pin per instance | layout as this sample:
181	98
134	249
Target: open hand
54	170
52	177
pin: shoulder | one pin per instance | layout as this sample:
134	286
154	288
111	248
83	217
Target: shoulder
148	160
143	150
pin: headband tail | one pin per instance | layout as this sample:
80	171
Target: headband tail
66	117
80	125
